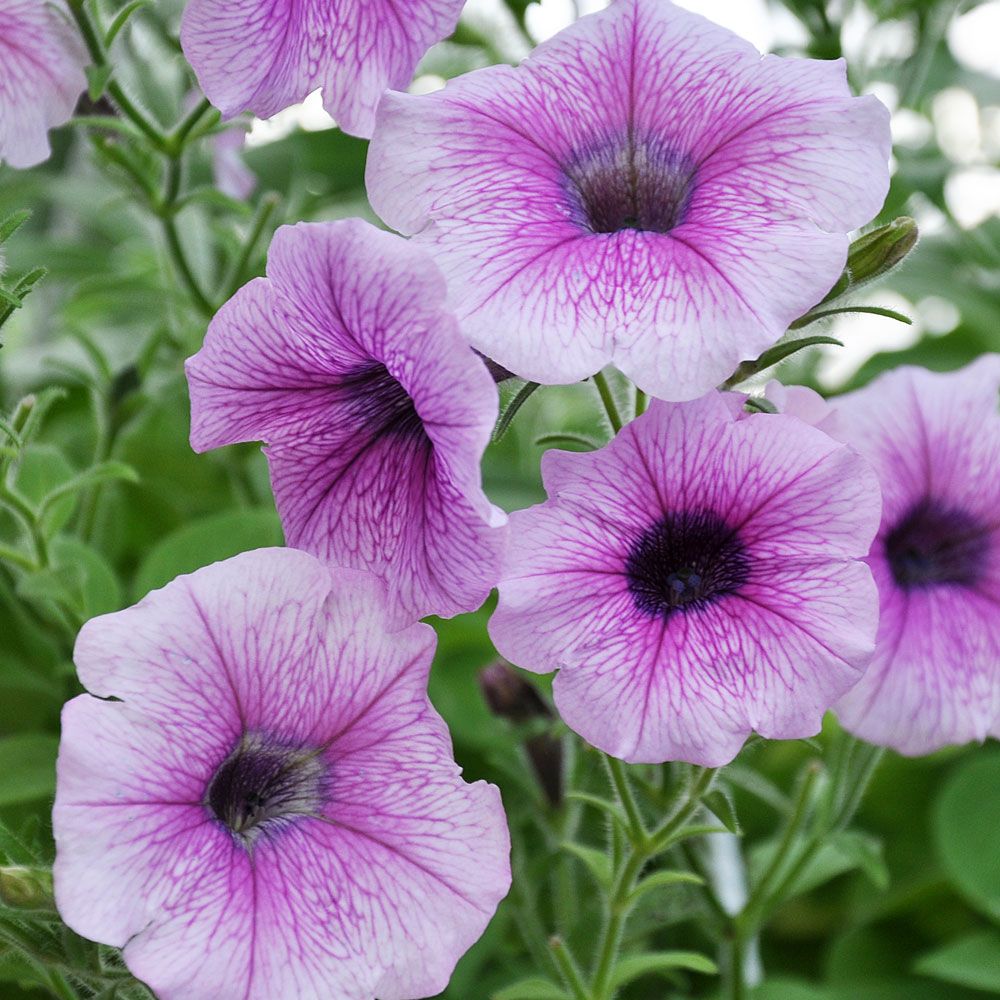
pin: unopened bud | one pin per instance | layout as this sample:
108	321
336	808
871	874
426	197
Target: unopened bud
878	252
23	888
511	697
499	373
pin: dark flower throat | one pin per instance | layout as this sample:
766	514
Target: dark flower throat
262	784
685	561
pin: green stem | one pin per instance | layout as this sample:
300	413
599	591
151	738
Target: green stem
178	137
568	968
614	926
623	789
174	245
683	811
99	58
736	977
608	401
758	898
264	212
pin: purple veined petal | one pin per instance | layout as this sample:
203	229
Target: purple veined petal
699	577
296	826
374	410
41	77
264	55
644	189
933	440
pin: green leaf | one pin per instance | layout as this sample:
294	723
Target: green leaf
973	960
532	989
27	767
720	803
611	809
774	355
98	590
596	861
965	831
815	317
839	853
121	18
572	440
205	541
663	880
104	472
97	79
12	224
42	469
510	411
633	966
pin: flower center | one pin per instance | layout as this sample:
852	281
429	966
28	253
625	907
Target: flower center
685	560
934	544
635	184
379	403
262	783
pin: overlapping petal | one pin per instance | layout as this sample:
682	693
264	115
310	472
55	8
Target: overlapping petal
375	412
934	442
376	892
41	77
786	632
645	189
264	55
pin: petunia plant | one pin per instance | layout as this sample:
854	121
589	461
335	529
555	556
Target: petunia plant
440	554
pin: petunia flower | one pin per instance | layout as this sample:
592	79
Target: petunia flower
375	411
270	807
265	55
934	442
697	578
644	190
41	77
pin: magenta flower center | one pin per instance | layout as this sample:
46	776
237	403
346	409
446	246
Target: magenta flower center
632	184
934	544
262	784
379	403
684	561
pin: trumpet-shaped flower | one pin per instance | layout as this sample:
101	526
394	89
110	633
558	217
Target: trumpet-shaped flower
697	578
645	189
264	55
934	442
41	77
375	411
269	807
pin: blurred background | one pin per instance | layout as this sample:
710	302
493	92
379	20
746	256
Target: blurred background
907	909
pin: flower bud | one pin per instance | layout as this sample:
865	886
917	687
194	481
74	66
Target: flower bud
511	697
23	888
878	252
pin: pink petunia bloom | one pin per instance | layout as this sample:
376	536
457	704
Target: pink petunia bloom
271	809
697	578
265	55
374	409
41	77
644	190
934	442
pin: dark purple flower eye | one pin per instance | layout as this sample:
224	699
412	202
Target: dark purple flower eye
645	190
934	442
687	559
934	545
